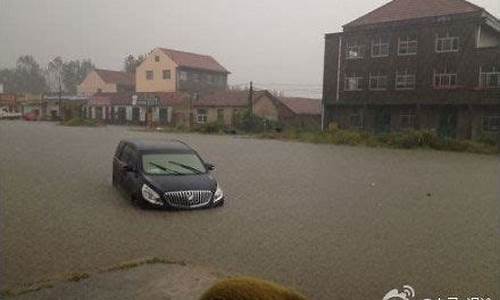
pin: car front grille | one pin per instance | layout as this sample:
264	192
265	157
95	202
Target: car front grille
188	199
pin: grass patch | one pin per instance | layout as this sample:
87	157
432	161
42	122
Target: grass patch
25	290
79	122
75	277
398	140
148	261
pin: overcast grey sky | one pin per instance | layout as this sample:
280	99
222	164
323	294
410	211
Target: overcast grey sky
268	42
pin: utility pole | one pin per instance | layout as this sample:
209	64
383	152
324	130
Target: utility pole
60	95
250	98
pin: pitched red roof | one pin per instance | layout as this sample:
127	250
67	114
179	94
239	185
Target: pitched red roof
193	60
111	99
223	98
399	10
302	106
116	77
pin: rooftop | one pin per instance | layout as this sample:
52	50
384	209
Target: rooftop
302	106
116	77
399	10
194	61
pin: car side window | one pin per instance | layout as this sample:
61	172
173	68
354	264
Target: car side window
126	154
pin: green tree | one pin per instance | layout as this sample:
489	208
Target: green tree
29	76
74	72
130	63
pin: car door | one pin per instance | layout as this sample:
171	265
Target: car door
122	161
116	161
131	176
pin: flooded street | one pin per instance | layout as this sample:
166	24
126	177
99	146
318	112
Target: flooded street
334	222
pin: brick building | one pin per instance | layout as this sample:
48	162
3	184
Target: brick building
427	64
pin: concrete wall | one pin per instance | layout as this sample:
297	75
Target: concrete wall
93	83
265	108
158	84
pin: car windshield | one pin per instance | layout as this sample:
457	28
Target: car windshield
172	164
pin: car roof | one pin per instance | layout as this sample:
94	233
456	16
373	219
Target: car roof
152	145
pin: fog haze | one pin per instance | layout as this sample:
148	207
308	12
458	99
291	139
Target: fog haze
270	42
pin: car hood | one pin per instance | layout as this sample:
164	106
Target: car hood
183	183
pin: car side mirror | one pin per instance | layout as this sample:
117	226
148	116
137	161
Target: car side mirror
129	168
209	166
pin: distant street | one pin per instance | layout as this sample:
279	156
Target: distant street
335	222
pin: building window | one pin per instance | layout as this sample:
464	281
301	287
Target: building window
489	79
157	58
149	75
491	122
354	50
183	75
407	46
380	47
445	80
378	82
353	83
405	80
407	119
196	77
356	120
166	74
201	116
220	115
446	44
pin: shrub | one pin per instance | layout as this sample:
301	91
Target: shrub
77	121
212	127
345	137
247	288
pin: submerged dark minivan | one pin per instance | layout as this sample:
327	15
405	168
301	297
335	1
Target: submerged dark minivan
167	174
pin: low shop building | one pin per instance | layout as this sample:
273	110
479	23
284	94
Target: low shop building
141	108
289	111
52	108
222	106
8	102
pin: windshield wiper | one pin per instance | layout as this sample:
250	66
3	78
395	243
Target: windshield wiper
194	170
165	168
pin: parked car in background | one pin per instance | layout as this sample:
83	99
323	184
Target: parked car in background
31	116
167	174
6	114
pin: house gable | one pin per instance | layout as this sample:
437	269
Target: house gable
93	84
156	62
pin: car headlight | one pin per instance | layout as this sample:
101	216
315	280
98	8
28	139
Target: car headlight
219	194
150	195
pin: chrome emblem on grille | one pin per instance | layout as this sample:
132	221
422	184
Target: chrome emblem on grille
190	196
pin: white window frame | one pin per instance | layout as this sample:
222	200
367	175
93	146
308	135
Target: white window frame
201	118
445	80
406	44
409	80
350	49
449	39
488	118
410	115
381	44
485	78
351	79
377	78
152	75
166	71
183	75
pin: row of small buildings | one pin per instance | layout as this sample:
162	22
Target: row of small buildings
177	88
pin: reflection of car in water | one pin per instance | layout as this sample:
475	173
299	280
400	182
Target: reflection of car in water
166	174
